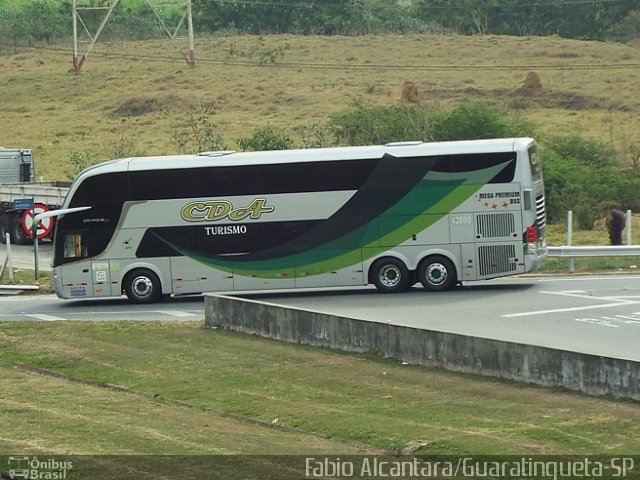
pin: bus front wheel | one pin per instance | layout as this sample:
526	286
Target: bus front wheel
390	275
437	273
142	286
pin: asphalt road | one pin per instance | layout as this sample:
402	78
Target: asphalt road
596	315
590	314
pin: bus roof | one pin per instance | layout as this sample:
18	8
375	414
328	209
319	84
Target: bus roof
227	158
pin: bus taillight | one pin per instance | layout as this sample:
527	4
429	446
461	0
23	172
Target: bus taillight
532	234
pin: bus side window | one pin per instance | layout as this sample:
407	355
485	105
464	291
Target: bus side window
75	245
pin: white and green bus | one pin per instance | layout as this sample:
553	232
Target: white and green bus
390	215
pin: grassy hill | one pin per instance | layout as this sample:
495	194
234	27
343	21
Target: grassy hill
134	97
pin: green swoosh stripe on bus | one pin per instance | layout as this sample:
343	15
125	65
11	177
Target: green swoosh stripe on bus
392	228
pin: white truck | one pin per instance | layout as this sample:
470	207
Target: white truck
21	197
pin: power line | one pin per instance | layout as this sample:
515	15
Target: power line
346	66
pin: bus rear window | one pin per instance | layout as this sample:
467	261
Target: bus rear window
534	162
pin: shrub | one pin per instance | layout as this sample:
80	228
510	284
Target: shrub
366	124
78	161
580	175
590	153
469	121
315	135
265	138
32	22
202	134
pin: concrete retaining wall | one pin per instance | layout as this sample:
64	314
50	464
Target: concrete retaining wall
494	358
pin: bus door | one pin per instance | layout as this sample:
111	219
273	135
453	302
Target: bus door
185	276
101	278
81	275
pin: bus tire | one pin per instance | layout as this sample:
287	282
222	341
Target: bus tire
142	286
390	275
437	273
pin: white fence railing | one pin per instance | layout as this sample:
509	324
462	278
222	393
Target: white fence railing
569	251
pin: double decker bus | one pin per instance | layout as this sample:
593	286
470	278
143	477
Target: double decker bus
393	215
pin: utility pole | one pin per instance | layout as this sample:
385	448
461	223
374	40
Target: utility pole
77	17
156	6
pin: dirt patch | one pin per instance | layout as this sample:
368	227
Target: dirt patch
138	106
573	101
576	101
517	100
532	94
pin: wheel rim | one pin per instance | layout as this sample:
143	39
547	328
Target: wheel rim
437	274
142	287
390	276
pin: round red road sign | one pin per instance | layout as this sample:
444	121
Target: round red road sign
44	226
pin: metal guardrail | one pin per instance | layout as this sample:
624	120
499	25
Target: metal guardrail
571	251
16	289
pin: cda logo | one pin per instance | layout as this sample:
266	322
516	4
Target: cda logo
213	210
36	469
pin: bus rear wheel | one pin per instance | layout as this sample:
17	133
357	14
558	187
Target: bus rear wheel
437	273
390	275
142	286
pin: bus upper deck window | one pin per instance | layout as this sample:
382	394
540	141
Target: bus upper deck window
75	245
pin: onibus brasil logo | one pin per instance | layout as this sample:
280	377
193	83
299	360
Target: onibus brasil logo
33	468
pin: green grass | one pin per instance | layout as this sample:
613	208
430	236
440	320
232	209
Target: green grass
626	265
322	394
